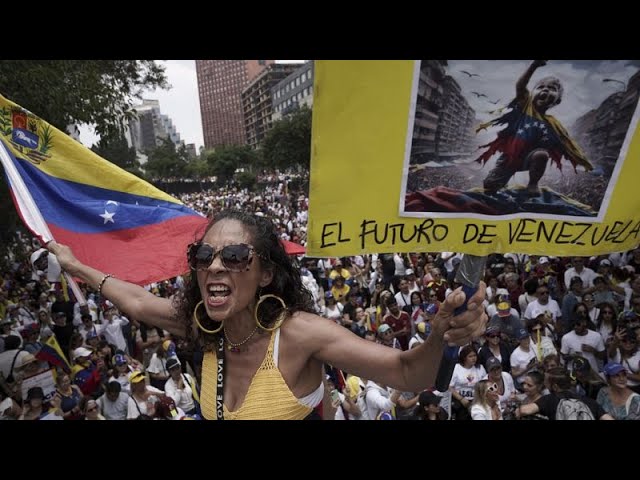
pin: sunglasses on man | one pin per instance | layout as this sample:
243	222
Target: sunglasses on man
235	258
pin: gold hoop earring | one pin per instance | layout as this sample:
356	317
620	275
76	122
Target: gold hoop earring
195	318
281	316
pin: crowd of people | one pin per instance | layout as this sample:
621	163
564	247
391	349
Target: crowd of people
561	342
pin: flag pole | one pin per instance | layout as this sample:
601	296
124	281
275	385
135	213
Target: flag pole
30	213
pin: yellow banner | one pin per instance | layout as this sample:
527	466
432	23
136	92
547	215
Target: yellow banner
475	156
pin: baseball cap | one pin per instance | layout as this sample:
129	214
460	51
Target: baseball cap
493	362
355	384
35	392
424	327
408	272
384	328
521	333
543	260
492	329
24	359
136	377
613	368
81	352
429	398
119	359
504	309
605	263
173	362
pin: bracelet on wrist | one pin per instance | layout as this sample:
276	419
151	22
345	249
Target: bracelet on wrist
104	279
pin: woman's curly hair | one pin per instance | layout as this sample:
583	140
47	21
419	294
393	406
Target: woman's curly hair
286	283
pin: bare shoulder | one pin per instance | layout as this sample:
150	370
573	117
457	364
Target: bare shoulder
305	327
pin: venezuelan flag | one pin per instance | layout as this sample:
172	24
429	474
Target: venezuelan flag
52	353
112	220
526	129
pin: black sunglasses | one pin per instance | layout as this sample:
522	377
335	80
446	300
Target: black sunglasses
235	258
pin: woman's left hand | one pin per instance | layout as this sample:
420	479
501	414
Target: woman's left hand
470	324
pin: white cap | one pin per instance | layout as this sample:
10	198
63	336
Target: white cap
81	352
543	260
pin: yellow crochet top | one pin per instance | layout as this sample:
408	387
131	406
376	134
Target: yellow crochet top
268	397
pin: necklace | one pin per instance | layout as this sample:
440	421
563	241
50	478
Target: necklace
235	347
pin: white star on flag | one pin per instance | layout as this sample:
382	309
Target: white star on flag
108	217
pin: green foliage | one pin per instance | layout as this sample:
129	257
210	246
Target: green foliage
94	92
198	168
288	143
167	161
226	160
246	180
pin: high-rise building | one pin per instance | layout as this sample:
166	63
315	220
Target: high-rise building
220	85
146	131
292	92
258	102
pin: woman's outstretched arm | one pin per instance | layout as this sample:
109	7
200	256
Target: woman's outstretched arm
128	297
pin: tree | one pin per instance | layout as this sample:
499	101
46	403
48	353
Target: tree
167	161
117	151
226	160
288	143
93	92
198	168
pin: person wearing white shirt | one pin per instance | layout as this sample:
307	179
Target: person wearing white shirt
87	326
584	342
113	329
578	269
543	303
378	399
504	381
180	387
113	403
523	357
141	400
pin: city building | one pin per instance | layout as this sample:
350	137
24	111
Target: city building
601	132
191	150
429	101
292	92
455	125
257	101
146	131
220	86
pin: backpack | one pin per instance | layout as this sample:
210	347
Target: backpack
573	409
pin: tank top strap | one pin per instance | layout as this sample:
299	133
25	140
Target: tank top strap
268	363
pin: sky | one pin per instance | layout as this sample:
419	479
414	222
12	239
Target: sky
180	102
584	89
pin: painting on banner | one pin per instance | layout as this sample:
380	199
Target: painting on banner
501	138
481	156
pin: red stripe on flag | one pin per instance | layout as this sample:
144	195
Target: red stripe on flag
140	255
